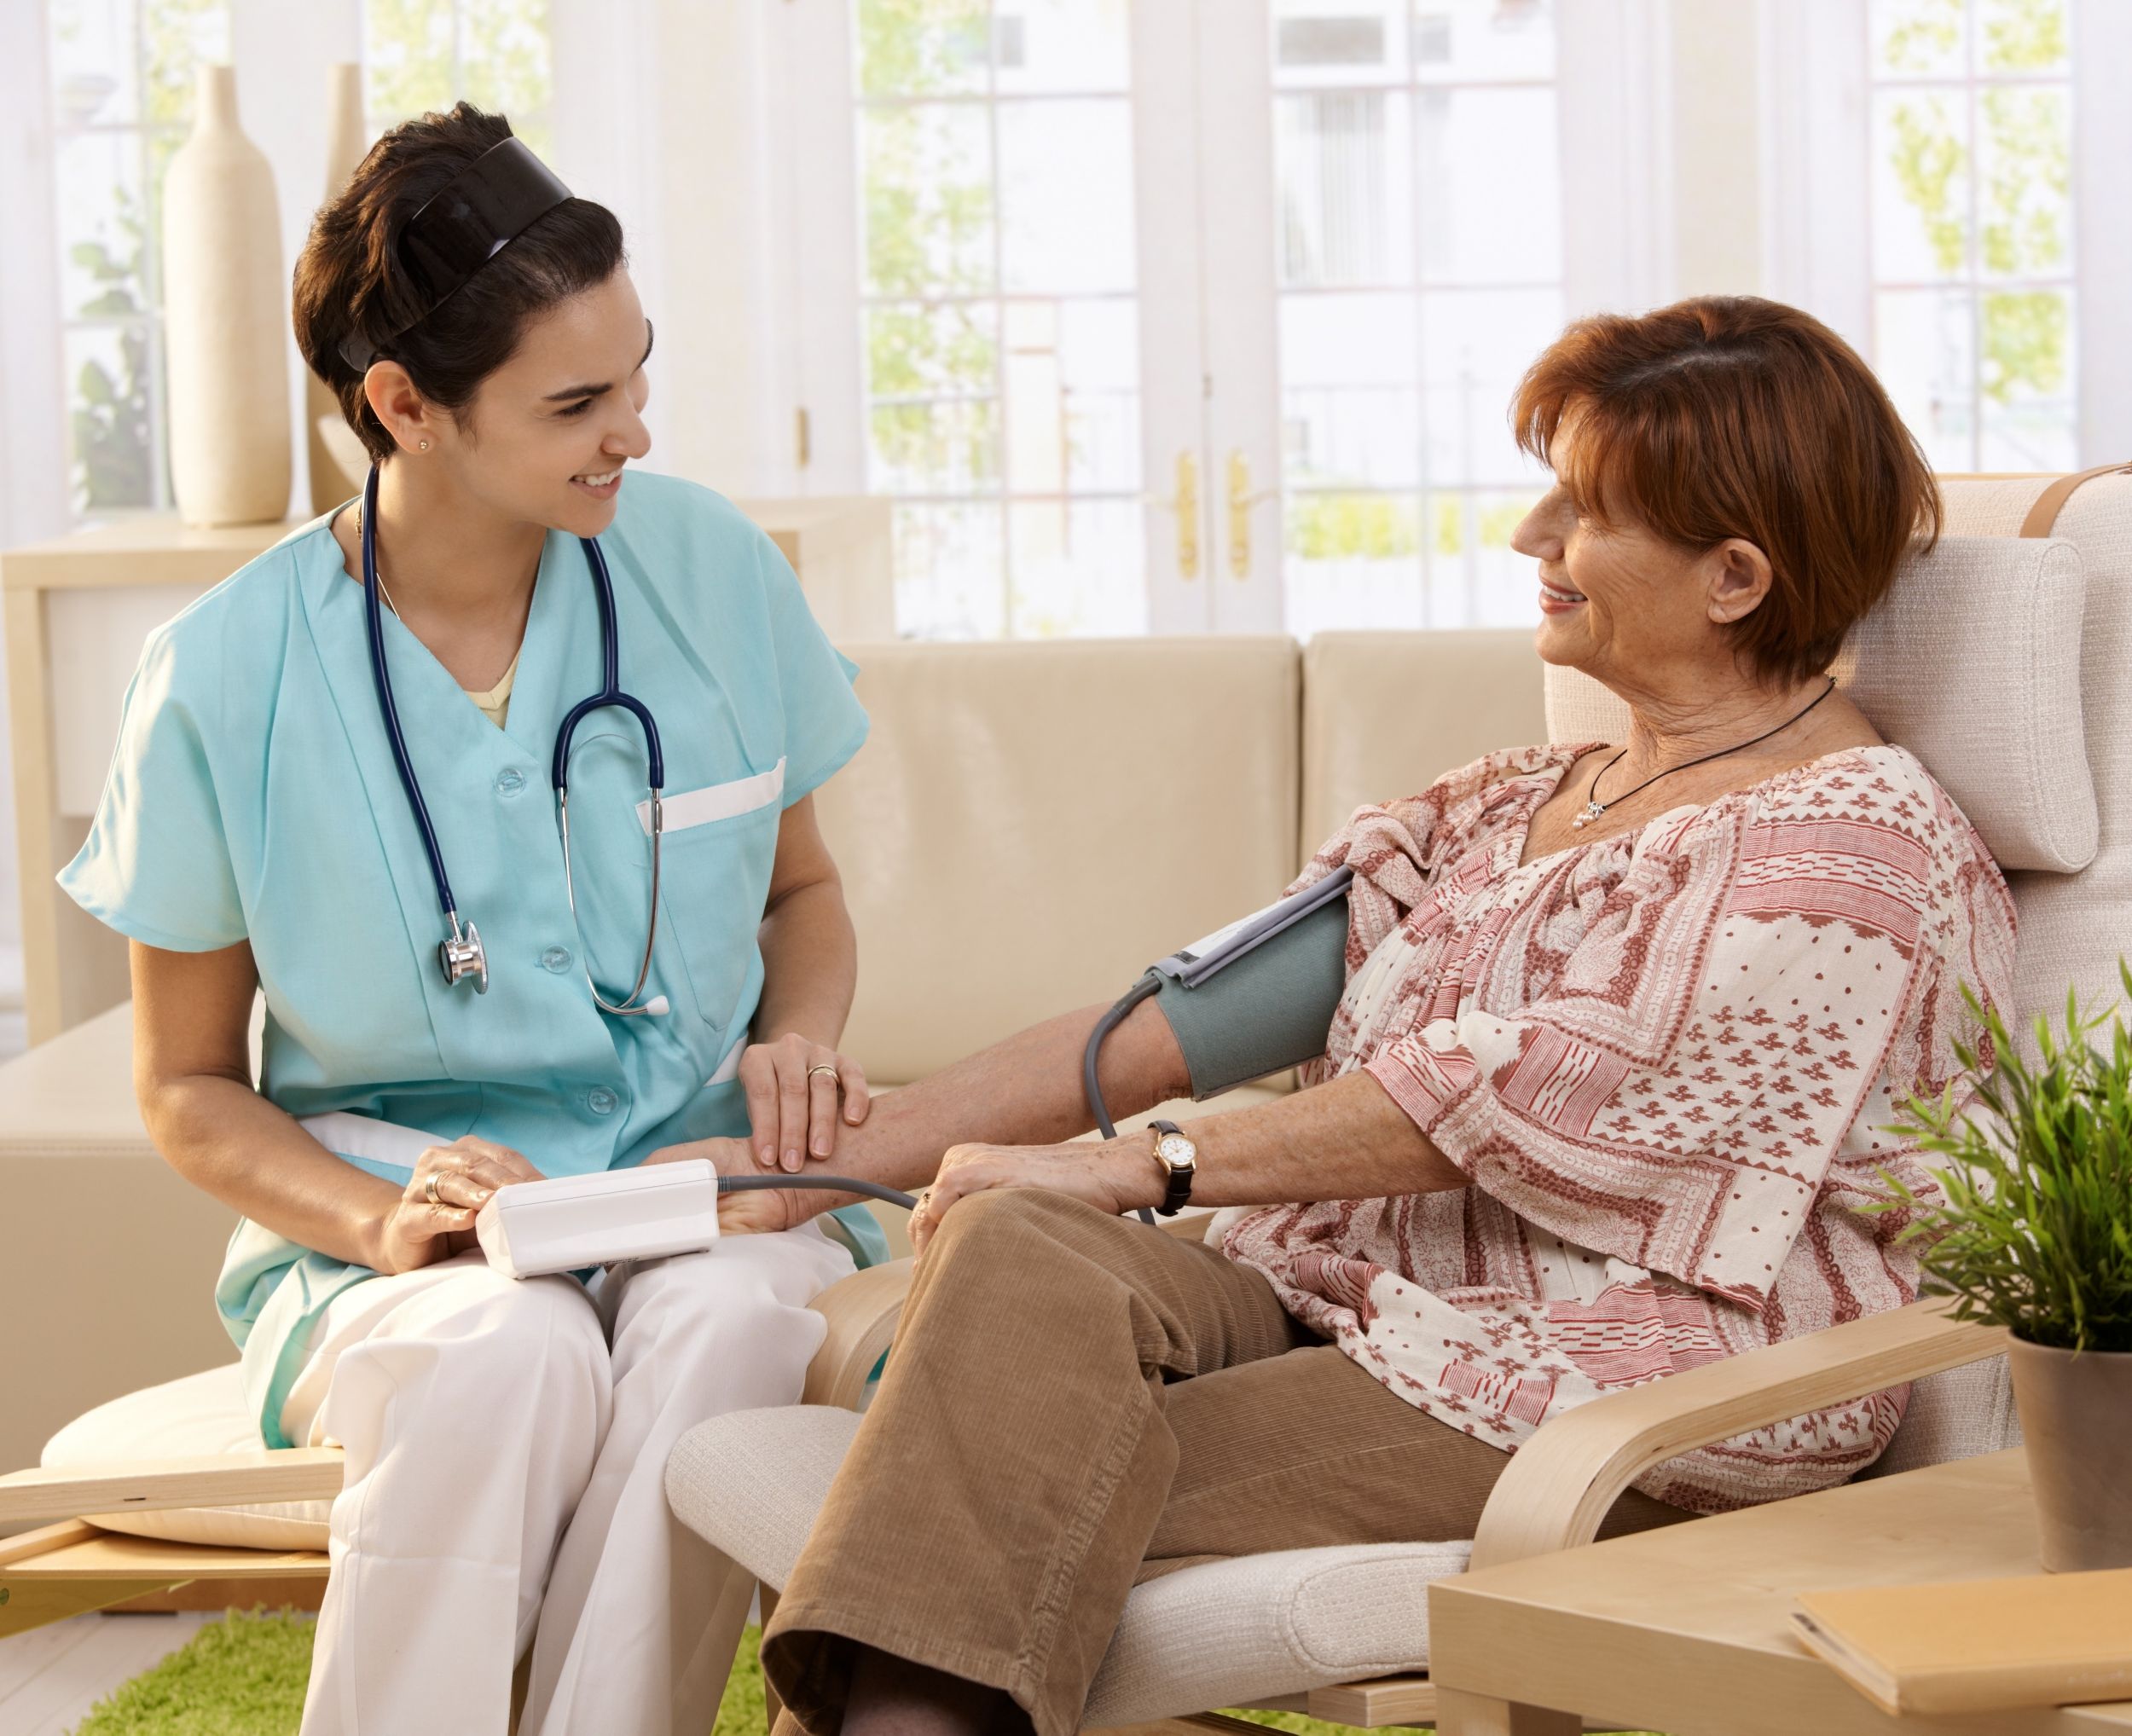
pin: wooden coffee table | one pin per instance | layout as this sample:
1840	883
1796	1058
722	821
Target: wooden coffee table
1684	1630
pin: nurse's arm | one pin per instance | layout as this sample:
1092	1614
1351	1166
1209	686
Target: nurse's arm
192	1073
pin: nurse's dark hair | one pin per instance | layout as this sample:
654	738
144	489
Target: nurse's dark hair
349	277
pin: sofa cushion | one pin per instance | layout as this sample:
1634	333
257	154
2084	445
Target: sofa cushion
1972	662
196	1416
1215	1634
1031	826
1386	714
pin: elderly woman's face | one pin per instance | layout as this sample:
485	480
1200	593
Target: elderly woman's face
1624	605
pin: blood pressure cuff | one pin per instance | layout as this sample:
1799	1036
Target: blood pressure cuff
1270	1009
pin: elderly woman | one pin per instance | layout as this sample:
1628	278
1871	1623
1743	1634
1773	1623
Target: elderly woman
1606	1094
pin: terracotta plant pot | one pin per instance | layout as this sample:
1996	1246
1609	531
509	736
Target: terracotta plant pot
2076	1417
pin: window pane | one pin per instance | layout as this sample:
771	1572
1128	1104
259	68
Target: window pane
1483	39
1475	345
505	63
934	448
1342	161
921	48
407	53
2024	164
2025	37
1348	404
1353	561
1921	185
102	225
1924	350
1079	569
950	571
1497	223
178	37
94	54
1080	45
1919	38
2029	413
111	441
1475	578
1066	196
928	193
1361	41
1073	371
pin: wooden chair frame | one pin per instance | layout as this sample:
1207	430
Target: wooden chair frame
1552	1494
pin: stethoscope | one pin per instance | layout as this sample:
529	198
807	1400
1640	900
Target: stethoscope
461	954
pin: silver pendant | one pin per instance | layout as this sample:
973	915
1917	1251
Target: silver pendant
1592	811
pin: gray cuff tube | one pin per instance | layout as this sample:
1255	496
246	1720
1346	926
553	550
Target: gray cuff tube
1269	1010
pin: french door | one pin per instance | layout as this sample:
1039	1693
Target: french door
1179	316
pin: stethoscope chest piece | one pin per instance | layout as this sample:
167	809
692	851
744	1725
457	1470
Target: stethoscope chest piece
462	955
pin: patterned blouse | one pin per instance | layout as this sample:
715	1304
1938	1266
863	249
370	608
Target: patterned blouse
1665	1061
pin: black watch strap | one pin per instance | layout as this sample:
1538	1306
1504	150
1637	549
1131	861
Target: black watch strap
1180	1180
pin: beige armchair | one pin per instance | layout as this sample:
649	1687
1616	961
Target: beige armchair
2005	663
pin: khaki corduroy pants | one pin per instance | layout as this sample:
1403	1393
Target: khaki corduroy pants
1076	1402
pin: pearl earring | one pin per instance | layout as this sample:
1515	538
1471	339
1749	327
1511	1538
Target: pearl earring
426	446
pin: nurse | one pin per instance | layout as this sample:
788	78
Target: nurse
506	1440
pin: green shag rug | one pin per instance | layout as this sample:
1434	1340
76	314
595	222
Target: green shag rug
244	1675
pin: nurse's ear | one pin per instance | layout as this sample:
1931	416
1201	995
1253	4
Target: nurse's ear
408	417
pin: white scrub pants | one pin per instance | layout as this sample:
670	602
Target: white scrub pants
506	1484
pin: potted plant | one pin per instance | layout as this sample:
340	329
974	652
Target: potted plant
2035	1235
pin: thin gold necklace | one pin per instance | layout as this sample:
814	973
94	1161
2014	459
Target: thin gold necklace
380	570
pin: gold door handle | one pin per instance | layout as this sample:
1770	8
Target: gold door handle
1187	516
1240	501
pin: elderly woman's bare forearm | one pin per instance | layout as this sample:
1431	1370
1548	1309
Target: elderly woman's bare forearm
1343	1140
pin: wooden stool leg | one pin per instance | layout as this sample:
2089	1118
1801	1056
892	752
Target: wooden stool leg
1474	1715
771	1707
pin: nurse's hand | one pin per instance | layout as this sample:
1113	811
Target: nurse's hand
418	1232
761	1211
794	1085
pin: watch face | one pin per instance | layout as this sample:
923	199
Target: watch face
1177	1151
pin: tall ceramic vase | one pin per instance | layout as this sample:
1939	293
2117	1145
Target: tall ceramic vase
225	320
322	420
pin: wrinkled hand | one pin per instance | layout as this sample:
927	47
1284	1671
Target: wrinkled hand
1115	1176
794	1110
416	1233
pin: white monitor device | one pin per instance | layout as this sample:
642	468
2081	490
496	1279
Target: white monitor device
572	1221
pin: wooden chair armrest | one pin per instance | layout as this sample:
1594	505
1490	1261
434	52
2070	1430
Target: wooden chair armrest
144	1485
862	1311
1558	1486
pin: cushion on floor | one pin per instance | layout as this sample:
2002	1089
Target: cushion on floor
1211	1635
192	1417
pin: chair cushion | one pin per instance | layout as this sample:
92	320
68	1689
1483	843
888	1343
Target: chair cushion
1215	1635
192	1417
1972	662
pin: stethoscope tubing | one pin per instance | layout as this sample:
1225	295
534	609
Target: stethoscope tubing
610	694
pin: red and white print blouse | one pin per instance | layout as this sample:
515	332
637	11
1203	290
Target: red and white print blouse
1665	1060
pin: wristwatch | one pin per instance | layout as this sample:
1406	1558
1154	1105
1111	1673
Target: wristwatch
1180	1159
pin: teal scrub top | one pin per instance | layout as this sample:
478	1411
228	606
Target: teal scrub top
252	795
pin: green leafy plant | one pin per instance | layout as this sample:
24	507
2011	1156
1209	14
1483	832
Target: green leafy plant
2036	1231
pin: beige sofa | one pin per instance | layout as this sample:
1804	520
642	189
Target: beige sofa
1029	827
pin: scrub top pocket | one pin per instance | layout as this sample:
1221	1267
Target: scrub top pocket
717	848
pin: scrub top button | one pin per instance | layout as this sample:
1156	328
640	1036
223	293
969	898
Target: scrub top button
509	781
600	1101
556	958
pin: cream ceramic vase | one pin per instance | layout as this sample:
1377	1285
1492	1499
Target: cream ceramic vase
330	484
225	320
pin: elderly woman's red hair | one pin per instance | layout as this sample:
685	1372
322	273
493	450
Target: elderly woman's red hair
1730	416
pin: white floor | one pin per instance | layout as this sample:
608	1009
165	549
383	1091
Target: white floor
49	1677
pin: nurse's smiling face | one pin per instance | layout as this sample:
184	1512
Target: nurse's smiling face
547	436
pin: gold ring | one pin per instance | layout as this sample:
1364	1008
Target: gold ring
428	1188
821	1067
